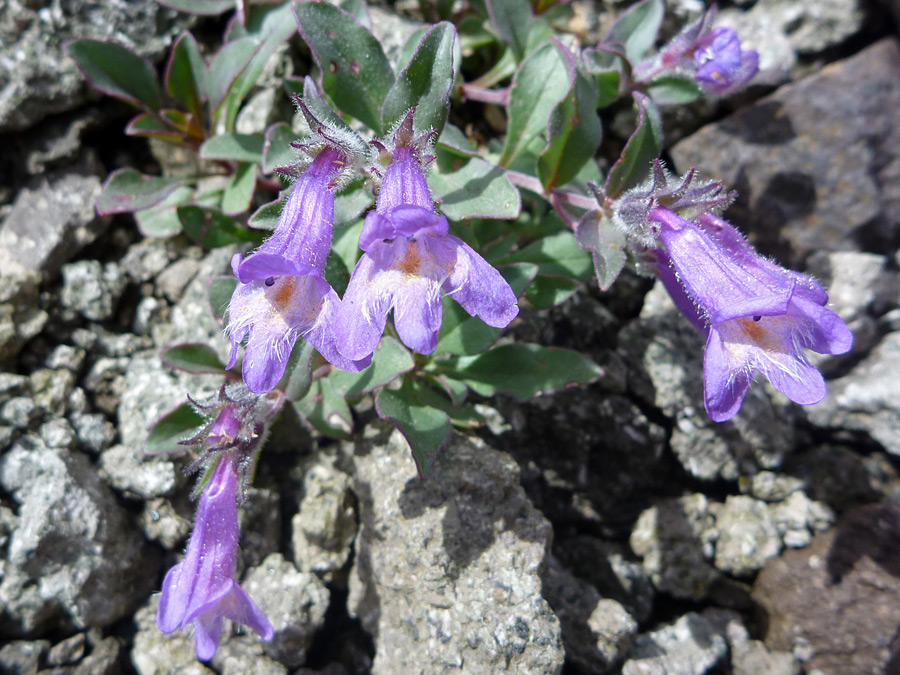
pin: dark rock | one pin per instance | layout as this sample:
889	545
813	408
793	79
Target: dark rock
22	658
68	651
838	601
816	164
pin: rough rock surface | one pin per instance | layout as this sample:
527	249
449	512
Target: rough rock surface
447	569
692	645
816	163
837	602
74	549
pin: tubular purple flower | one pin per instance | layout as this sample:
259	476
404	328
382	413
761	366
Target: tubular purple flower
201	590
281	293
409	258
756	315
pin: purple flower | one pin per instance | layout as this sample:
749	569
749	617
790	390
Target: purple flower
722	66
201	589
281	293
409	259
757	316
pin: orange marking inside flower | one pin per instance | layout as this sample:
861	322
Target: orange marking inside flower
411	261
283	293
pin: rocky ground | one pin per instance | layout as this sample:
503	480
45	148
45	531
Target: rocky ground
608	529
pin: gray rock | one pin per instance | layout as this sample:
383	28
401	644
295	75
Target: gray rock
20	317
172	281
769	486
19	656
747	536
147	258
447	568
868	398
93	431
294	602
51	389
325	526
596	631
74	545
162	523
66	356
57	433
764	32
37	79
12	384
154	653
20	412
797	518
92	289
244	655
692	645
665	346
59	141
51	219
816	163
753	658
130	472
260	522
106	381
391	30
68	651
105	657
150	312
674	540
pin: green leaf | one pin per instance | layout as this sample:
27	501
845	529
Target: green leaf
456	142
277	150
606	64
355	72
477	190
234	147
326	410
344	243
186	75
239	191
556	255
523	370
573	132
645	144
178	425
225	68
356	8
606	242
212	229
266	216
269	26
425	82
220	291
116	71
350	202
390	360
540	83
192	358
336	273
161	220
637	28
511	21
426	429
200	7
151	126
129	190
673	90
546	291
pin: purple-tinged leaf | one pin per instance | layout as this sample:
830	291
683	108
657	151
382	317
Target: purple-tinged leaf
477	190
390	360
239	191
673	90
172	428
511	21
225	68
607	64
192	358
151	126
234	147
425	81
277	149
637	28
556	255
266	216
355	72
116	71
523	370
549	291
220	291
186	75
213	229
644	145
199	7
606	243
129	190
573	131
427	429
358	9
540	83
161	221
326	410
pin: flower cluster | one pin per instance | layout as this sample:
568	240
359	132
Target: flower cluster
712	56
756	315
201	590
409	259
